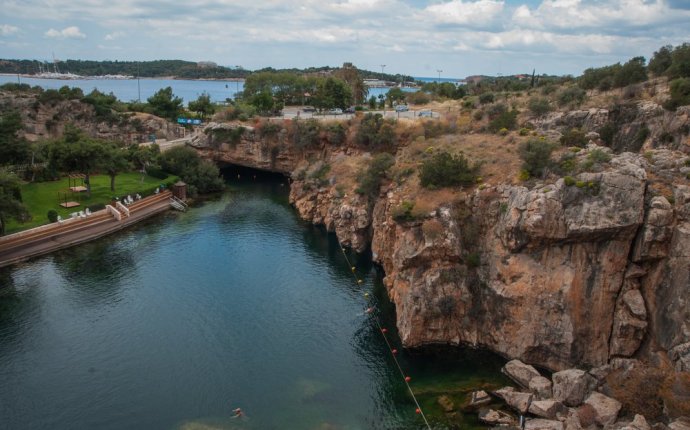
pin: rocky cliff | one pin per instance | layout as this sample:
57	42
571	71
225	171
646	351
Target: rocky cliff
47	120
560	273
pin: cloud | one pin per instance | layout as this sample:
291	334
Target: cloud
114	35
6	29
475	13
66	33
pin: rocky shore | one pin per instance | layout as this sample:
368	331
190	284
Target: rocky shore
588	273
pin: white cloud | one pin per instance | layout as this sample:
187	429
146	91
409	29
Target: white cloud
66	33
114	35
6	29
466	13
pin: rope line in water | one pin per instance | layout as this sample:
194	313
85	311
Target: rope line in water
405	378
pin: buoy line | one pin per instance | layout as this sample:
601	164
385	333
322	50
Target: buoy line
383	331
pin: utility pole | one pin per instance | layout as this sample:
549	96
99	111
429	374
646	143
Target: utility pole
138	82
439	75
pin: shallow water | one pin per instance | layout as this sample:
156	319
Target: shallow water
236	303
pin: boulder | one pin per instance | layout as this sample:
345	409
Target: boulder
606	409
639	423
571	421
542	424
520	372
446	403
479	398
572	386
518	401
680	424
547	408
492	416
541	387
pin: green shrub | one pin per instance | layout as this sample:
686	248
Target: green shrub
445	170
539	106
306	134
569	181
404	211
375	132
680	93
369	179
599	156
486	98
156	172
478	115
536	156
574	137
571	95
608	133
506	120
580	184
268	129
524	131
96	207
503	132
568	163
320	172
473	260
52	215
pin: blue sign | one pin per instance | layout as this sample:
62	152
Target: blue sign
188	121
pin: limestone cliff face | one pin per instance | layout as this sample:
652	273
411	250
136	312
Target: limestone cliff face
560	274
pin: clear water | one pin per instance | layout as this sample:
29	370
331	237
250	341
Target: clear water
236	303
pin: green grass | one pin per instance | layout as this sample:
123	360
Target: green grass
40	197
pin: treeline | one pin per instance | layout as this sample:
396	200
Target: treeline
175	68
669	61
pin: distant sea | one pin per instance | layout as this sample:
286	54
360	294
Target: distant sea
189	90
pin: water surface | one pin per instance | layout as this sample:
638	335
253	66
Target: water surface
236	303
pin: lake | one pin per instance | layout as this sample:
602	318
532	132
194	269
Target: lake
236	303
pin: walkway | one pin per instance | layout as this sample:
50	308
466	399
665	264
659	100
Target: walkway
27	244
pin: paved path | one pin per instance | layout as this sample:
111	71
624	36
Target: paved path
46	239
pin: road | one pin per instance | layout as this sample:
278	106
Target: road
291	112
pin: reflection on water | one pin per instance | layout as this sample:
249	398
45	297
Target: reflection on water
236	303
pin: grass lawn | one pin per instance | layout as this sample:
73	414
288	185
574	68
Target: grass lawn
40	197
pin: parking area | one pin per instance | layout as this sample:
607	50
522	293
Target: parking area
291	112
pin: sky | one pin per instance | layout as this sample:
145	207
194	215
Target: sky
412	37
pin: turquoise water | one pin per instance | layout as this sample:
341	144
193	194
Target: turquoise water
236	303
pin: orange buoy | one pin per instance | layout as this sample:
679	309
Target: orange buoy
407	379
394	351
419	411
384	330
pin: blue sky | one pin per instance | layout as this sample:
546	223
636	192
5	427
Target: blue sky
459	37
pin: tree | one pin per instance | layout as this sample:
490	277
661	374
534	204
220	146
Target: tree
352	77
84	156
632	72
143	156
114	162
11	205
333	93
680	67
165	104
661	60
13	149
202	105
395	94
263	102
680	93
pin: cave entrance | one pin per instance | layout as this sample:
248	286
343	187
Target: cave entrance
234	173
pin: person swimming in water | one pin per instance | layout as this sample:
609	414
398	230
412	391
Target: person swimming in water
238	412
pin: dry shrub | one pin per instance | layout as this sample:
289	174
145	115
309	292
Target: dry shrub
587	415
675	393
432	229
638	390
